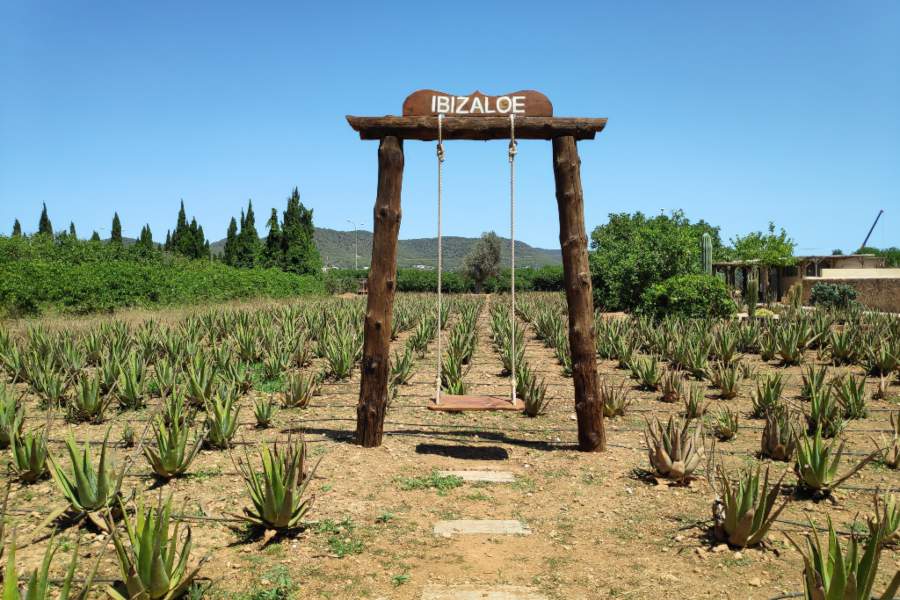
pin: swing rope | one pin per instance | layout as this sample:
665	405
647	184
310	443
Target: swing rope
512	151
440	262
512	254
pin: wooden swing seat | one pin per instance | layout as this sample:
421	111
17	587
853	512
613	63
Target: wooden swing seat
465	403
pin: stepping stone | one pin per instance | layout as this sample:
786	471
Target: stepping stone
480	527
468	592
487	476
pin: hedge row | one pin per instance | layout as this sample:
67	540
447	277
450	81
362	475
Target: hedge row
338	281
31	286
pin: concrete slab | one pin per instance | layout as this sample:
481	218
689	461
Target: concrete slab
469	592
480	527
486	476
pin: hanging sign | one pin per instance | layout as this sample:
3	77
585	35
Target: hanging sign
430	103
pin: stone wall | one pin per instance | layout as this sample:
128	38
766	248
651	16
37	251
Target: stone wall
882	293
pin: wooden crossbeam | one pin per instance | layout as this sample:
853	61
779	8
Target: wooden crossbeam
476	128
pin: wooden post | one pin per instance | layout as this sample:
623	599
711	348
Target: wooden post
373	388
579	295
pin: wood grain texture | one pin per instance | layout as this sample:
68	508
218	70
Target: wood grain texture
373	389
579	294
476	128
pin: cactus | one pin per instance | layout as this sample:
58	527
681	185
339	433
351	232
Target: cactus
752	295
706	254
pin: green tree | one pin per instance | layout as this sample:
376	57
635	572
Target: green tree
115	235
248	246
17	229
483	261
45	227
632	252
298	246
145	242
72	233
231	242
272	250
187	239
95	237
891	255
770	249
837	252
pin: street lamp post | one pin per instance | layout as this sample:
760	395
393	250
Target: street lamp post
355	245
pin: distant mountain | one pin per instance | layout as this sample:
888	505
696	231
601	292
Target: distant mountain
336	248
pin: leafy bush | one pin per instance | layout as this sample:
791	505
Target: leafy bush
832	295
81	276
693	296
633	252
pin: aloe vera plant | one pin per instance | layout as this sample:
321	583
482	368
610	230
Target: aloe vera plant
767	395
779	440
817	465
825	414
173	453
885	525
29	456
86	490
727	378
674	451
452	373
165	377
830	573
222	414
402	367
132	386
278	491
726	424
614	398
11	416
851	395
176	409
645	369
38	585
299	388
813	381
88	405
263	411
532	392
744	512
152	565
672	386
695	405
890	445
201	379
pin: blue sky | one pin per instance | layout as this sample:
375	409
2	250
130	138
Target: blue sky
738	113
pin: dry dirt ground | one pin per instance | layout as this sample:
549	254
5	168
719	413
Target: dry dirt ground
599	529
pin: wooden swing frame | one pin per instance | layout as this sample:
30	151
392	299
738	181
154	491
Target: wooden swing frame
563	133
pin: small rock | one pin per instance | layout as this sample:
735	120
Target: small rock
679	538
738	556
720	548
755	582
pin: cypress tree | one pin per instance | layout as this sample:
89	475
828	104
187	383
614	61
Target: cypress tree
72	230
272	249
248	240
231	242
44	225
95	237
298	242
17	229
145	242
115	235
168	245
201	245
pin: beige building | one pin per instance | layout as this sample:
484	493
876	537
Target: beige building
877	287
